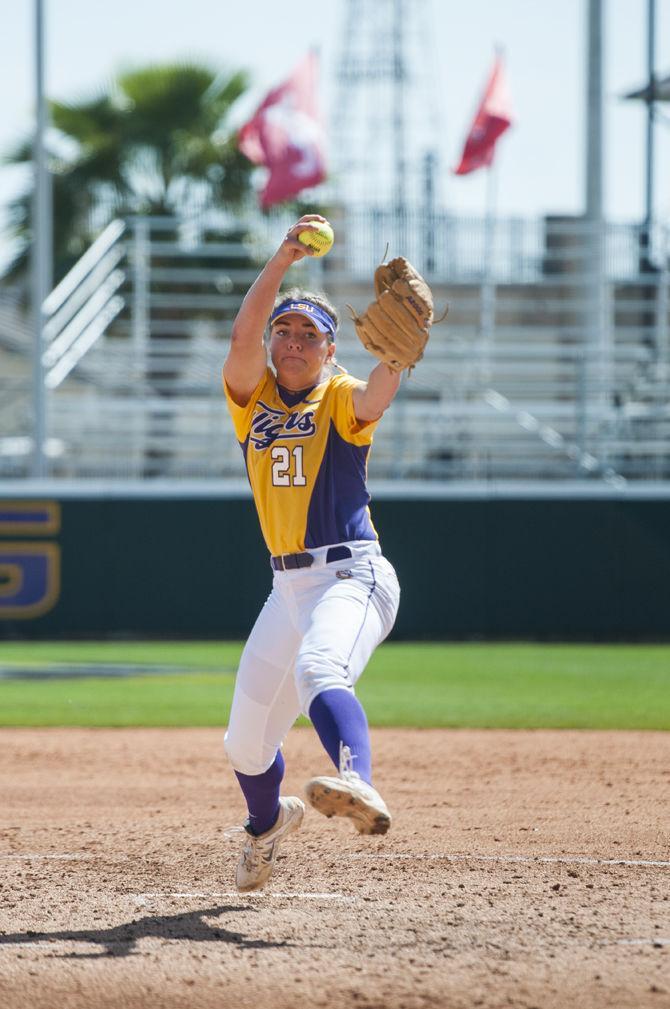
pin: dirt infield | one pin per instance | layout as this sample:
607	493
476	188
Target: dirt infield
524	869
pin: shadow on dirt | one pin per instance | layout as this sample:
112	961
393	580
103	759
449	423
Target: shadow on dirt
121	940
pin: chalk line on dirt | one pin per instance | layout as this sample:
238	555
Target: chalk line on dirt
243	896
637	942
38	944
512	859
66	856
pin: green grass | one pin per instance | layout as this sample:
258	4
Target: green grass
189	654
459	685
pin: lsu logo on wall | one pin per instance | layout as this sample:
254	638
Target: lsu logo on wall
29	565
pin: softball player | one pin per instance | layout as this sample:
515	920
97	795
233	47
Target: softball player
305	433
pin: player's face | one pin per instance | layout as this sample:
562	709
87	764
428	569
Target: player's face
299	351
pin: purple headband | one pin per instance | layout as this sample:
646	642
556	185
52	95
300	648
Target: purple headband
321	319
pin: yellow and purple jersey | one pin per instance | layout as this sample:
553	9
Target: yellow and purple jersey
306	457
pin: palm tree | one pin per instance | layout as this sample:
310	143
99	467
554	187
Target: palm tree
156	143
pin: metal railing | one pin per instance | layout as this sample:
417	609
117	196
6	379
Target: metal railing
80	309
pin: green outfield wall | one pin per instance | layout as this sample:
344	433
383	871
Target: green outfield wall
481	568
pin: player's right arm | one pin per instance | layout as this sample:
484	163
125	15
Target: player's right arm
247	357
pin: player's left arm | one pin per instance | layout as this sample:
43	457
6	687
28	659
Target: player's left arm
373	398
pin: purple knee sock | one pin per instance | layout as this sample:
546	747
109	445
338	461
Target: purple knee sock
338	716
262	794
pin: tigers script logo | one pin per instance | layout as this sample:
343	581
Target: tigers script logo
269	424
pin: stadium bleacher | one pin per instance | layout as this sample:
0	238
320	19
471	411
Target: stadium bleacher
520	384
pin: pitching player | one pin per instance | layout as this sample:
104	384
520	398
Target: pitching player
305	433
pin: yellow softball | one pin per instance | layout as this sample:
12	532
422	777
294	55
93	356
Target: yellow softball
321	241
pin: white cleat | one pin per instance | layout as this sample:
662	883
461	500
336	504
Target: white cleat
348	795
259	853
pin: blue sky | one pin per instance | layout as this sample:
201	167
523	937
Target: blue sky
540	165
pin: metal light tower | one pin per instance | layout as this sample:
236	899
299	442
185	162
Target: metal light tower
41	252
649	171
385	121
655	90
594	398
594	113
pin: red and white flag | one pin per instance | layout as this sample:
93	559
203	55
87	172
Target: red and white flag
493	117
286	135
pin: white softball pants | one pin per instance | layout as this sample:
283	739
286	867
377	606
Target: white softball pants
316	631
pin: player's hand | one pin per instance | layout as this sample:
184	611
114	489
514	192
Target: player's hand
293	250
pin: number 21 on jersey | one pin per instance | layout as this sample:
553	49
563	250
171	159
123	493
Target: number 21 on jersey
287	466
